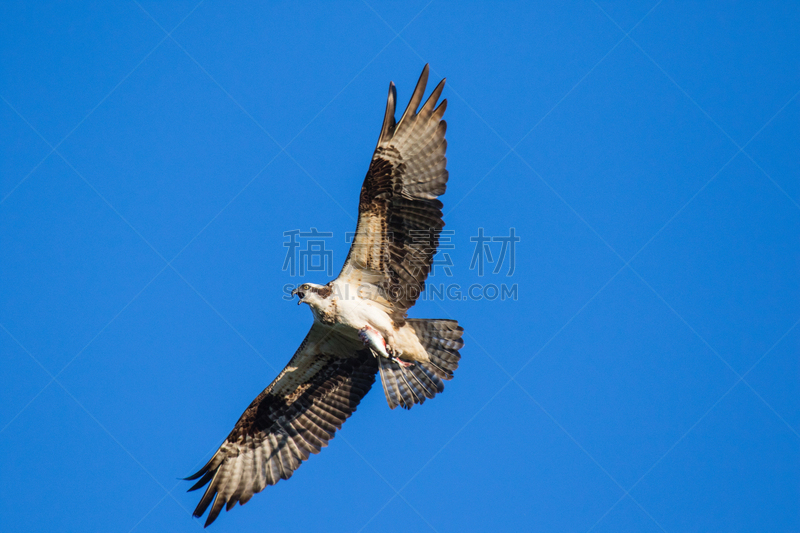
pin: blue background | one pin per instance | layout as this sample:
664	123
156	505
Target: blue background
646	379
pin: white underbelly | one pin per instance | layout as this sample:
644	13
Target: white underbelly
354	313
358	313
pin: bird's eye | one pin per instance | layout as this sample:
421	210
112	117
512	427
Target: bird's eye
305	287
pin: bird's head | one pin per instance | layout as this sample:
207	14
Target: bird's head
311	293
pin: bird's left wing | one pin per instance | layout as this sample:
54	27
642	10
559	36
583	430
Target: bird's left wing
399	214
295	416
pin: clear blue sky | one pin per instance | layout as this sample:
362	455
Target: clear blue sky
646	377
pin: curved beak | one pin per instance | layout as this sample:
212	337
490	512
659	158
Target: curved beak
300	294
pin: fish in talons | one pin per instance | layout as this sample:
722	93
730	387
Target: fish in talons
371	337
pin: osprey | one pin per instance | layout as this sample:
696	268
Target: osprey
360	318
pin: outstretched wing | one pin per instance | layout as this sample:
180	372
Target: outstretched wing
399	215
292	418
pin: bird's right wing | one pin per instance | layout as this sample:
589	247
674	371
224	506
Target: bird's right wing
295	416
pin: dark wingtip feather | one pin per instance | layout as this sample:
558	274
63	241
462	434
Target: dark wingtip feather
387	129
441	108
195	475
203	470
205	501
416	96
216	508
203	481
231	503
432	99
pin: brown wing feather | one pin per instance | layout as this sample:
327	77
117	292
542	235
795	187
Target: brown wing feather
292	418
399	215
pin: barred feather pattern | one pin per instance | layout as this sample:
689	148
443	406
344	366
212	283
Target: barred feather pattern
278	431
397	234
407	386
400	217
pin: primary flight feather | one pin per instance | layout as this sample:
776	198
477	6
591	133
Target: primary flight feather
360	324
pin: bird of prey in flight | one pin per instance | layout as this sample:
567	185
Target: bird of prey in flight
360	324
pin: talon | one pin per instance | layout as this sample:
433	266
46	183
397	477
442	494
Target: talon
363	335
404	364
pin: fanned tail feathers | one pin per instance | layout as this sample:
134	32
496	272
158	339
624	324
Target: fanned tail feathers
406	386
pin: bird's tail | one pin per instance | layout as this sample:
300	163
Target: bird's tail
408	385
